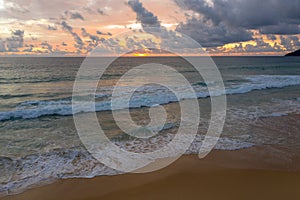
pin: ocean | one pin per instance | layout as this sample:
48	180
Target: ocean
39	142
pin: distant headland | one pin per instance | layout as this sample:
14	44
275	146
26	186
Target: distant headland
295	53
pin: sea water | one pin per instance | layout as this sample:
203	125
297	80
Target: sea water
38	138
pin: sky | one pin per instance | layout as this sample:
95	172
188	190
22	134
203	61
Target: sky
76	27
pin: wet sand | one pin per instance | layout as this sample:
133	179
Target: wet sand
256	173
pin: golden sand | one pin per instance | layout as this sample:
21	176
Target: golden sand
254	173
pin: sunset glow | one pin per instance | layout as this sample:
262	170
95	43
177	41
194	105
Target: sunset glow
77	27
140	54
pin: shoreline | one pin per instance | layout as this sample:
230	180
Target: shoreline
271	171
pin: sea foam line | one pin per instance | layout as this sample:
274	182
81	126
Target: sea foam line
149	96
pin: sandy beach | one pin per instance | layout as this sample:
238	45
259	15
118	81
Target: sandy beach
256	173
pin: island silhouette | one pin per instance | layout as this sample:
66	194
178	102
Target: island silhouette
295	53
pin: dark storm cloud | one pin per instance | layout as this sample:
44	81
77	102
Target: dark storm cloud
84	33
3	47
290	43
19	33
271	37
101	12
47	46
101	33
93	41
169	39
213	35
233	19
79	43
281	29
76	15
13	43
66	27
247	14
146	18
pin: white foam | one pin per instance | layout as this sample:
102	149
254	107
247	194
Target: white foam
264	82
23	173
147	96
